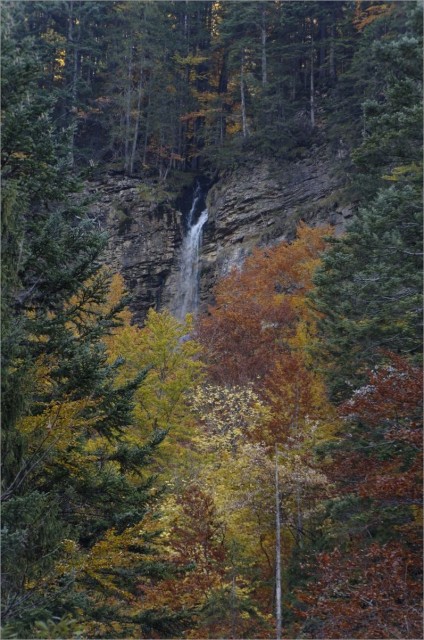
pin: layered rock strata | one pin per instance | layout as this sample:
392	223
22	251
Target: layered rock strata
144	239
255	205
262	205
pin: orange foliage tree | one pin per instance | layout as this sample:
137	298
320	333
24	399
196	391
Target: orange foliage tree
258	334
368	592
370	584
261	308
391	404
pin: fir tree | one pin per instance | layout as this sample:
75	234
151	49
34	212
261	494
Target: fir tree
71	469
369	286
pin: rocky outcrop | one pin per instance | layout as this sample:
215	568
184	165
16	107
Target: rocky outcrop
251	206
262	204
144	239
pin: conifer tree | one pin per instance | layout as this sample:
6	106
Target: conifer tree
71	473
369	285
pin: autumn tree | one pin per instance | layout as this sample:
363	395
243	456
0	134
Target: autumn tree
376	514
260	308
370	591
170	360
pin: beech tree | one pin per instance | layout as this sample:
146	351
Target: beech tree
260	308
371	590
172	368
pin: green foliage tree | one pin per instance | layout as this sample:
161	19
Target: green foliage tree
369	288
369	285
70	472
369	299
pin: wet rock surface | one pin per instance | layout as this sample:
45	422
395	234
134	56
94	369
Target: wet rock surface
252	206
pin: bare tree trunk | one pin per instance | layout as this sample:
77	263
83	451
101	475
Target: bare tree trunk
222	89
243	99
128	114
186	24
74	81
312	87
322	47
148	92
332	56
278	629
75	69
233	607
263	43
137	119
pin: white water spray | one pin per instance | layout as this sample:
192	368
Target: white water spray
188	290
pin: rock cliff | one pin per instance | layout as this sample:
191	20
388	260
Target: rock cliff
263	204
251	206
144	239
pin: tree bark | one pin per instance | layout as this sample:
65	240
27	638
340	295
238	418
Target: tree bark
322	47
278	617
222	90
128	113
312	87
263	44
72	44
137	119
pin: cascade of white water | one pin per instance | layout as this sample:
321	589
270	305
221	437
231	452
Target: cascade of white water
188	290
196	197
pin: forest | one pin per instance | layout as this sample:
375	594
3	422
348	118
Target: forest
254	469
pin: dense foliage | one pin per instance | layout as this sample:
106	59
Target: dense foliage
162	87
258	473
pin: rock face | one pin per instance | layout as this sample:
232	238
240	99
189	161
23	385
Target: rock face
143	239
263	204
252	206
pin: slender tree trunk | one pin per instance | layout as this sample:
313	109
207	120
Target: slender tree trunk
299	523
278	618
186	24
146	132
322	47
332	56
312	87
128	114
233	608
222	89
137	119
243	99
74	78
263	45
75	68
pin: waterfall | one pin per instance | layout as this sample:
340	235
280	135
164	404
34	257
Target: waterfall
188	289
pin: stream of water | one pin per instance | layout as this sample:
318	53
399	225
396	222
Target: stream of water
188	290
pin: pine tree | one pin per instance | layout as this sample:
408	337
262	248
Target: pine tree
368	288
71	470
